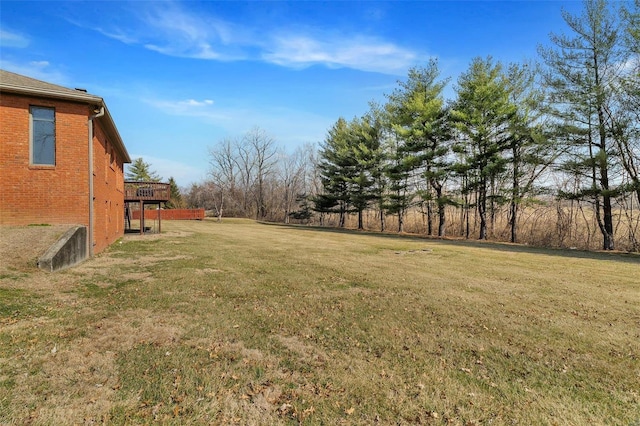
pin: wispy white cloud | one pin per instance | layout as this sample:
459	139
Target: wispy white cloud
41	70
193	102
12	39
117	34
189	107
363	53
199	51
170	29
172	20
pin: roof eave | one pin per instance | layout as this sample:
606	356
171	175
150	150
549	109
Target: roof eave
78	97
111	128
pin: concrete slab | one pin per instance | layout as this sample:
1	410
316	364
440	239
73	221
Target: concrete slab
69	250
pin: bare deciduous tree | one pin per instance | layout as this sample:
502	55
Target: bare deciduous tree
259	155
240	168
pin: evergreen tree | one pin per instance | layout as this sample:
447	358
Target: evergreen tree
584	72
378	124
398	171
175	200
531	151
365	141
482	114
438	164
419	119
349	167
140	171
336	166
625	128
304	211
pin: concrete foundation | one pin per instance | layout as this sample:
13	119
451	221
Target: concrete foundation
69	250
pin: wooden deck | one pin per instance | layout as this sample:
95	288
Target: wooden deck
142	193
149	192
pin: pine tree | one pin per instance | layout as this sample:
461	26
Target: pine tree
350	160
365	141
175	200
420	121
336	166
140	171
398	172
378	124
482	113
583	73
625	128
531	149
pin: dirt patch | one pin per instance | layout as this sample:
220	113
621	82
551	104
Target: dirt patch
101	265
414	252
133	327
156	236
138	276
206	271
20	246
307	354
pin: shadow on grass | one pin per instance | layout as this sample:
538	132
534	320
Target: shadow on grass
147	230
632	258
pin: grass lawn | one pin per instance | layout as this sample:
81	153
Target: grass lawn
240	322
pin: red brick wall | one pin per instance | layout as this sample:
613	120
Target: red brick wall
43	194
108	191
57	194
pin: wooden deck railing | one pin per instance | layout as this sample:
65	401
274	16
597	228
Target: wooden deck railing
146	191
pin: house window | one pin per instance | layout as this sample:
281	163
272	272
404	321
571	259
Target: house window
43	136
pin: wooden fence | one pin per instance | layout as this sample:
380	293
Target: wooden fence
170	214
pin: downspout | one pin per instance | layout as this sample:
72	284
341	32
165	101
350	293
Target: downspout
100	113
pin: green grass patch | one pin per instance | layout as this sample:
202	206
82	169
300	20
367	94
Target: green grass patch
12	276
246	323
18	304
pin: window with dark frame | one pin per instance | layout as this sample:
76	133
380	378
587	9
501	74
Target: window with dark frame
43	136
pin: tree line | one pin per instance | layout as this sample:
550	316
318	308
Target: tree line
562	134
250	176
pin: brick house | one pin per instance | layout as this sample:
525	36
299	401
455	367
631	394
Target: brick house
61	159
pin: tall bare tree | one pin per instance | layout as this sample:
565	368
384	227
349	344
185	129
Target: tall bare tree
260	156
223	173
293	175
241	169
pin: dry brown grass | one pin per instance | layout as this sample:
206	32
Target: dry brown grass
551	224
20	246
238	322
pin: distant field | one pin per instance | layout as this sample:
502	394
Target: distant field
247	323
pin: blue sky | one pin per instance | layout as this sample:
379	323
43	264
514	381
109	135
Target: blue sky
180	76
